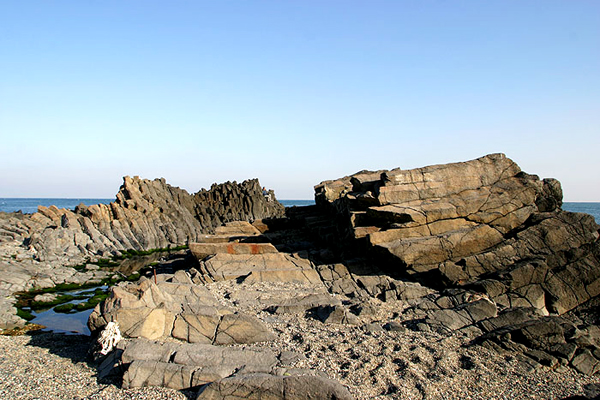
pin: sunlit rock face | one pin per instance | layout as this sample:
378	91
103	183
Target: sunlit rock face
483	224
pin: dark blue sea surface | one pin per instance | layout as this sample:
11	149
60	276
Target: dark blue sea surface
588	208
299	203
30	205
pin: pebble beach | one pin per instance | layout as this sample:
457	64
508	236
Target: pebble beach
45	365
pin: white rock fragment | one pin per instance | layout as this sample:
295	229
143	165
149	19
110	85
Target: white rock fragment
110	336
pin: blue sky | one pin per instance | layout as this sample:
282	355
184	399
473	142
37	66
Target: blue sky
292	92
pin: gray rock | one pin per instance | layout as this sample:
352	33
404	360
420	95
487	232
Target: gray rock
240	328
179	310
586	363
336	314
301	304
542	334
45	298
183	366
290	357
263	386
373	327
394	326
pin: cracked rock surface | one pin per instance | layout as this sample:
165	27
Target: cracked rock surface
146	214
462	280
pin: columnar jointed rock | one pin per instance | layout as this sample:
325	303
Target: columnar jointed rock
145	215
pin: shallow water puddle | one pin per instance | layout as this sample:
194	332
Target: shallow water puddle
69	314
75	323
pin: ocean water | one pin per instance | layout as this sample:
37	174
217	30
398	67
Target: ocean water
299	203
29	206
588	208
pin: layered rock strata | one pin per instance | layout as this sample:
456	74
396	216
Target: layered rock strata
176	328
233	255
514	301
176	309
482	223
507	260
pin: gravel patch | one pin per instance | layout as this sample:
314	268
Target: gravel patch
403	364
54	366
374	363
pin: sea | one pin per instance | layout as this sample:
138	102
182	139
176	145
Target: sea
30	205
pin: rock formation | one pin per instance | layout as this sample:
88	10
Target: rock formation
508	261
145	215
185	307
176	309
419	283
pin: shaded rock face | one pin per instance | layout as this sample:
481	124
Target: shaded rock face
183	366
264	386
145	215
482	223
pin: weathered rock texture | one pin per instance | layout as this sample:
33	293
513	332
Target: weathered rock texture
228	255
264	386
482	223
176	309
183	308
184	366
493	237
145	215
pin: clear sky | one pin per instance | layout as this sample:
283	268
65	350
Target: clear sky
293	92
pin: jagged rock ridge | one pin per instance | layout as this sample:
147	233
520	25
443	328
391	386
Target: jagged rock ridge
145	215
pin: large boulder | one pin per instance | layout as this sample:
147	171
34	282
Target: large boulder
183	311
264	386
483	223
184	366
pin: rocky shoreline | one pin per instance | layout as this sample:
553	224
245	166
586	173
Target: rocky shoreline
462	280
55	366
38	250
